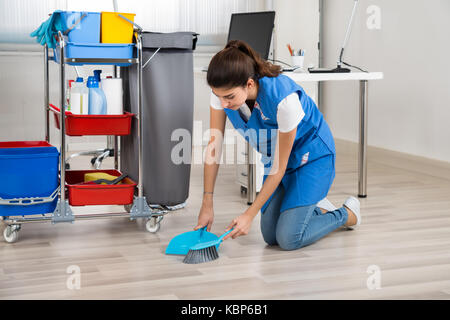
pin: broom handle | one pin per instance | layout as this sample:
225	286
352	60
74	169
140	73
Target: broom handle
225	234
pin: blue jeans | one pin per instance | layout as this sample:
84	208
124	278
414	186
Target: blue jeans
299	226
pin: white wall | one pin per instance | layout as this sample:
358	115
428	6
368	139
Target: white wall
409	109
297	23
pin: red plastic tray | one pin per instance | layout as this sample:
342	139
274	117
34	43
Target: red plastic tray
94	125
83	195
24	144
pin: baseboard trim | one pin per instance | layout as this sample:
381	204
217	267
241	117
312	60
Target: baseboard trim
404	161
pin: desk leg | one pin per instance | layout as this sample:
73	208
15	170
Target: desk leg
362	154
251	188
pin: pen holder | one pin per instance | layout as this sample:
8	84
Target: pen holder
297	61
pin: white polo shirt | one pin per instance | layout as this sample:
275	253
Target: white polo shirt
289	112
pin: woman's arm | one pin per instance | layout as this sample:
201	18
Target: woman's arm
285	141
211	166
214	149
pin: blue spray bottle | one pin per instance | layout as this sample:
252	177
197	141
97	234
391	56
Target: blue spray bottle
97	99
97	77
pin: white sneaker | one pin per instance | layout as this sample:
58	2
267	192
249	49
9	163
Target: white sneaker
326	204
353	204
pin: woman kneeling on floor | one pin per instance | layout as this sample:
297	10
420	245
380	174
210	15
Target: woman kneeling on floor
279	120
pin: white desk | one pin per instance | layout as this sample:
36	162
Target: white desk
363	79
302	77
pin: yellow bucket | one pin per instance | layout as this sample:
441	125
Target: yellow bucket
115	29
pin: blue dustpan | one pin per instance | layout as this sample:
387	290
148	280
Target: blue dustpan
182	242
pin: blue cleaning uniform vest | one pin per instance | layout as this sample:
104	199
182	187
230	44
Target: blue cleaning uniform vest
310	169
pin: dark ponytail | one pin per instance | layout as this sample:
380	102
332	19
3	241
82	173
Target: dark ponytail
235	64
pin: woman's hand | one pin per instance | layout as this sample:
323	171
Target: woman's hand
241	225
205	217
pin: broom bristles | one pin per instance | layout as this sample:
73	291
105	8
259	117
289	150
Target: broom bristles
202	255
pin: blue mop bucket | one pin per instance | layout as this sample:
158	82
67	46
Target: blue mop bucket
86	29
28	180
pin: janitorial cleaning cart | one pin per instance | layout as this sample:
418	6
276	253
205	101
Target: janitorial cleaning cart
52	189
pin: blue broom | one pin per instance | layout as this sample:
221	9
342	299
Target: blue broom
205	251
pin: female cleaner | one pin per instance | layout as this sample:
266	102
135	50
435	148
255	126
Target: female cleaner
279	120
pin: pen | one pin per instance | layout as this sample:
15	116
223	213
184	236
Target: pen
290	49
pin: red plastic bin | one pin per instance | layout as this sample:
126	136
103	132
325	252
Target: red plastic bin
98	194
94	125
24	144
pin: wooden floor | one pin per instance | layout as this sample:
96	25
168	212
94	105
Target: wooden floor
405	235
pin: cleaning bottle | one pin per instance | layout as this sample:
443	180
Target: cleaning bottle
75	98
97	77
68	90
97	99
79	97
84	93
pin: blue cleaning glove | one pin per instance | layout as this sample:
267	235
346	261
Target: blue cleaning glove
46	32
39	33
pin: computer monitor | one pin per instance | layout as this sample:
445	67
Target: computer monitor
255	28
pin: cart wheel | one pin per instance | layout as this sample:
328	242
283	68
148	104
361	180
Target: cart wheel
128	207
11	234
243	190
153	224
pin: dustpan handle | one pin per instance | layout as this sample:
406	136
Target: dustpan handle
202	231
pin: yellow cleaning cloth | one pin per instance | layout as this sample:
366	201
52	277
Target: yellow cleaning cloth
98	175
